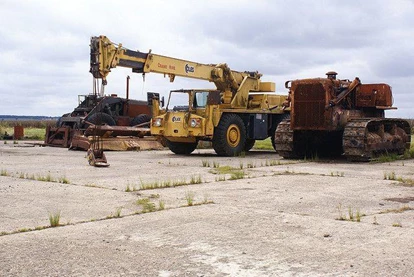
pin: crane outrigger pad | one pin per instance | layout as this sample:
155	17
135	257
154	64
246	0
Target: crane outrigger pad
97	158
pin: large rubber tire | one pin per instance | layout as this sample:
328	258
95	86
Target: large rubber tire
142	118
229	137
181	148
249	144
102	119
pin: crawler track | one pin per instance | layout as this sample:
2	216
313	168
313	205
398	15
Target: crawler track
366	138
284	140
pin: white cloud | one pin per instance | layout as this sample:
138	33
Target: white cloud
44	45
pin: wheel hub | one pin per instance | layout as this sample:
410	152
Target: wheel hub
233	135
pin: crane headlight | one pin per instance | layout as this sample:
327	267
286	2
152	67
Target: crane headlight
195	122
157	122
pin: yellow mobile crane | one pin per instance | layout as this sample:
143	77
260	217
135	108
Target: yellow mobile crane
232	116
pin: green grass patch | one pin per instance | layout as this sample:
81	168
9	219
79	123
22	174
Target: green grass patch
265	144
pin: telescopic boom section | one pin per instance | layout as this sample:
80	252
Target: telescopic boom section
235	85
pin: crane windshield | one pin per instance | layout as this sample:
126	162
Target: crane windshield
185	100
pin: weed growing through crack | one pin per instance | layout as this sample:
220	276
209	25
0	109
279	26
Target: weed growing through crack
399	210
54	219
147	205
340	217
390	176
196	180
189	197
118	212
358	216
221	178
64	180
47	178
350	214
168	184
337	174
251	165
161	205
4	172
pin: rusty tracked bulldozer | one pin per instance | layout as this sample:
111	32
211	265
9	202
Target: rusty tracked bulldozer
331	117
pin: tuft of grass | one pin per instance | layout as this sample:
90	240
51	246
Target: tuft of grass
4	172
386	158
251	165
161	205
147	205
205	163
128	189
216	164
196	180
64	180
239	174
47	178
396	225
189	197
118	212
38	228
358	216
221	178
341	216
390	176
399	210
350	214
54	219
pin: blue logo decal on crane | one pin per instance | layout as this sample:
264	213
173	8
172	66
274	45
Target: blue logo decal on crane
189	68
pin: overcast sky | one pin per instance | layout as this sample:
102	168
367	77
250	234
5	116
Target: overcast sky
44	45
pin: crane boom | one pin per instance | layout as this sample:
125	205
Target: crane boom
234	85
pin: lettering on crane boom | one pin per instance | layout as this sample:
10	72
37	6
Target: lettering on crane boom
189	68
171	67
